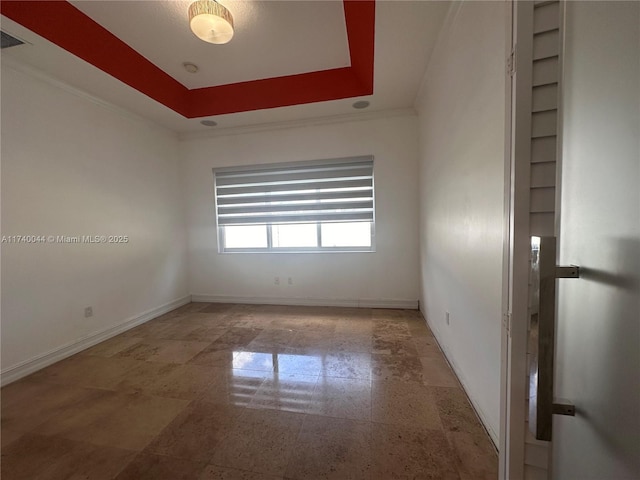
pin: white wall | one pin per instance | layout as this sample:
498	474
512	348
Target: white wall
390	275
462	114
598	339
73	167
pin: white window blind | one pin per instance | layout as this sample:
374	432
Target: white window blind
325	191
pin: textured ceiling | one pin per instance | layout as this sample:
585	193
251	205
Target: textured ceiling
299	37
288	61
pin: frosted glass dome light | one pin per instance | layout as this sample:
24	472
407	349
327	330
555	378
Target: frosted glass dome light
210	21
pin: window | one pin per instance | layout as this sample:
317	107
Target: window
302	207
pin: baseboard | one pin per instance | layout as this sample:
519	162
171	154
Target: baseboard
27	367
479	412
311	302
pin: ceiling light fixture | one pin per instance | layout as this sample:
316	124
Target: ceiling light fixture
210	21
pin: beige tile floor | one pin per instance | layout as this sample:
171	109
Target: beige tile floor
212	391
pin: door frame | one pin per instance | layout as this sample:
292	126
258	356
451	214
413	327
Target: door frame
516	245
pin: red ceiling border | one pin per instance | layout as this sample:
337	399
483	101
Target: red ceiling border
69	28
66	26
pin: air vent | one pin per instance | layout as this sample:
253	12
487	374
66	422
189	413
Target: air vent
9	41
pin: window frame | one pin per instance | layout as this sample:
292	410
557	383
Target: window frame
223	249
220	229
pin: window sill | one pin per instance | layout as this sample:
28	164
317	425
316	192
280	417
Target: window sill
299	250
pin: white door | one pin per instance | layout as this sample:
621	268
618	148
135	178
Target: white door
598	325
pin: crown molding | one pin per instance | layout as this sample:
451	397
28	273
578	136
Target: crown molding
11	63
33	72
300	123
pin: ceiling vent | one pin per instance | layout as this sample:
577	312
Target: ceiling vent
9	41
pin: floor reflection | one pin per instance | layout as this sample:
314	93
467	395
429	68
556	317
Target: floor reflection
239	387
254	361
290	381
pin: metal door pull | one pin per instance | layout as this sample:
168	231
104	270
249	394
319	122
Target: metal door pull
564	408
572	271
542	305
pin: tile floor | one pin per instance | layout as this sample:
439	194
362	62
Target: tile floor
213	391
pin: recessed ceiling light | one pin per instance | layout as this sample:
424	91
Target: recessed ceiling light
190	67
361	104
209	123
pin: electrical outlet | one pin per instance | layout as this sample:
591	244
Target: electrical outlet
446	317
88	312
290	280
276	280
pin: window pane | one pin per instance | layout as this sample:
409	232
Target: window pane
296	235
245	236
356	234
